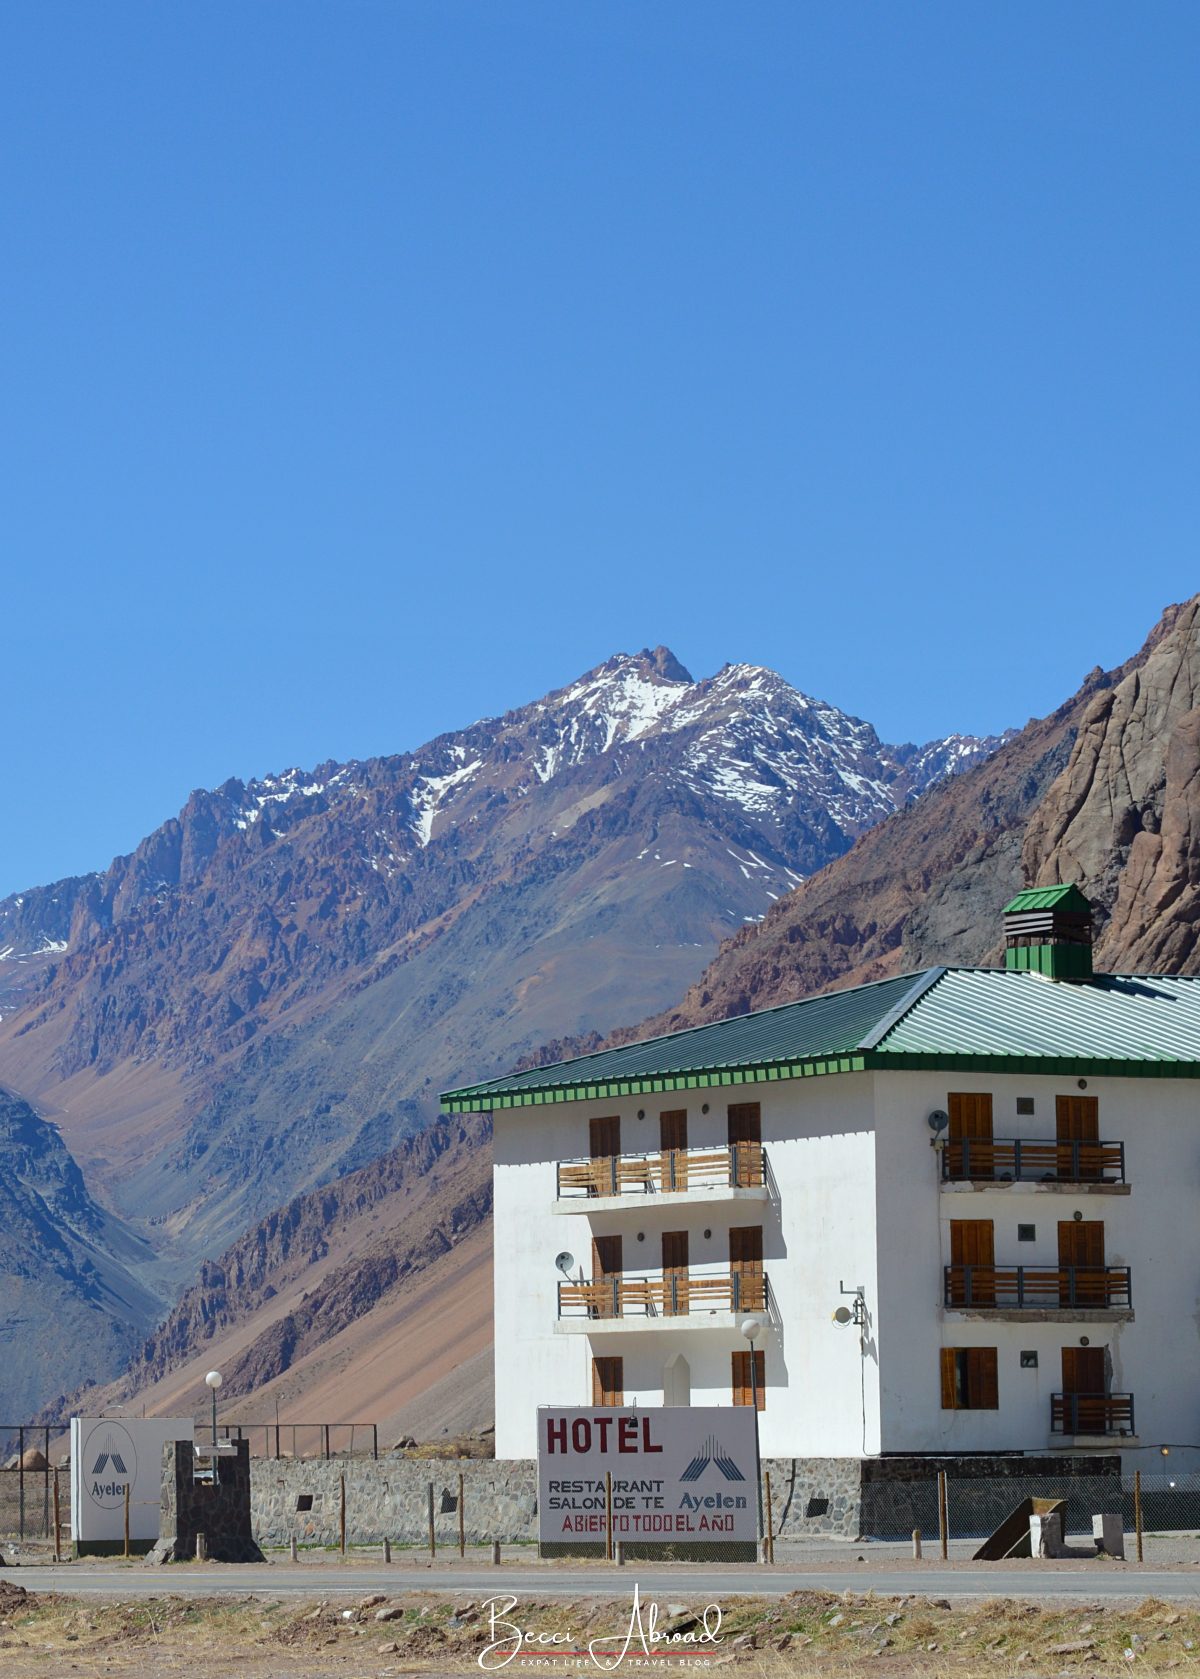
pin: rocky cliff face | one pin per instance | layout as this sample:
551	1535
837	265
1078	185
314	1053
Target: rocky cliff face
1100	792
71	1301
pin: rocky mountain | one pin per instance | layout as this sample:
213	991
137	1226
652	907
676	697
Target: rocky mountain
268	991
1102	792
71	1300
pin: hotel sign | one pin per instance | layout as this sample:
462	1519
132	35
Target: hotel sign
678	1473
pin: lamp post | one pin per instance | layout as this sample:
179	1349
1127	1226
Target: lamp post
752	1329
213	1381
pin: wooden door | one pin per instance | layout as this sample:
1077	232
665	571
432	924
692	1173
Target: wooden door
746	1265
970	1125
604	1136
673	1141
1081	1255
745	1141
972	1262
1085	1387
743	1381
675	1271
608	1381
608	1263
1077	1121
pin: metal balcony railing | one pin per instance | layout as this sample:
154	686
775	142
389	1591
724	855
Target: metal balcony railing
666	1295
1091	1413
671	1171
1045	1287
1028	1160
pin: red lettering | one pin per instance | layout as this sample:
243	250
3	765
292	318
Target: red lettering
646	1446
627	1431
581	1434
556	1435
602	1427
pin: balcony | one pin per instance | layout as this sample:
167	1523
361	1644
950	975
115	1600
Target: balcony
978	1162
1084	1416
1034	1293
730	1172
662	1301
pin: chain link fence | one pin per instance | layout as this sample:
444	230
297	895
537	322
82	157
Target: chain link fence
27	1504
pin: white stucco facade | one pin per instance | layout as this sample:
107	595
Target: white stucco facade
855	1197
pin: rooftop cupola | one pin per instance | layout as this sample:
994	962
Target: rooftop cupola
1048	930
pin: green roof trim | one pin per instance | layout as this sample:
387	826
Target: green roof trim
1049	897
977	1019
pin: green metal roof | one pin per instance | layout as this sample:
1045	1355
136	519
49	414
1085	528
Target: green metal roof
990	1019
1050	897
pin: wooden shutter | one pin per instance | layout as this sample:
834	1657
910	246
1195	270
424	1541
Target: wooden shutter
604	1138
607	1265
1081	1245
746	1264
1077	1120
970	1122
949	1384
745	1140
972	1244
1084	1369
983	1388
608	1381
673	1141
743	1391
675	1271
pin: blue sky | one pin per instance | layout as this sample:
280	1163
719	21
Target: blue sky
370	367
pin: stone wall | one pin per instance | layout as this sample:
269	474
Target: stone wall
840	1497
221	1510
388	1498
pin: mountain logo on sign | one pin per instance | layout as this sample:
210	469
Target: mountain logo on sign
712	1452
110	1454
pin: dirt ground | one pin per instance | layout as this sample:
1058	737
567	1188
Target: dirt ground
806	1633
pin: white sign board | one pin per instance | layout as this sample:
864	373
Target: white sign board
109	1454
682	1473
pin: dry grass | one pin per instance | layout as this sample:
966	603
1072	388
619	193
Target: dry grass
806	1633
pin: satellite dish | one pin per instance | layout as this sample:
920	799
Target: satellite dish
565	1263
938	1120
843	1315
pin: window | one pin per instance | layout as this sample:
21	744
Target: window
969	1381
1027	1233
743	1392
1024	1104
608	1381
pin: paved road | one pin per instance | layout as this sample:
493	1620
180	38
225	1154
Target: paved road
680	1582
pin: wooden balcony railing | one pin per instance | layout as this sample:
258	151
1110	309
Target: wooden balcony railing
669	1171
1025	1160
1091	1413
1044	1287
663	1296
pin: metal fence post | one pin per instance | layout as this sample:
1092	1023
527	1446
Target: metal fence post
342	1515
1137	1510
375	1440
432	1535
462	1516
770	1520
943	1518
608	1531
21	1481
127	1518
57	1526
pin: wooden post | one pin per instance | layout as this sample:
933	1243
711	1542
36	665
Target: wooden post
57	1525
608	1532
770	1519
127	1518
201	1548
943	1520
619	1548
496	1552
342	1515
1137	1510
21	1482
293	1549
916	1544
327	1442
432	1536
375	1440
387	1549
462	1516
